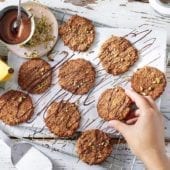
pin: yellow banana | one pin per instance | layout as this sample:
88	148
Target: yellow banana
5	71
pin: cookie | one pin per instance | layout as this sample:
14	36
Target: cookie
114	104
35	76
117	55
63	118
15	107
94	146
77	76
78	33
149	81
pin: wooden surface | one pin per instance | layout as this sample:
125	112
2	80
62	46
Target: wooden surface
112	13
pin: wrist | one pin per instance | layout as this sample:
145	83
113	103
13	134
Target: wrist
155	160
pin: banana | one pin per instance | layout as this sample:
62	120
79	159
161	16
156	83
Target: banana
6	71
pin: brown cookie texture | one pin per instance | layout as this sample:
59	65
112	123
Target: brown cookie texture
77	76
15	107
149	81
117	55
94	146
63	118
114	104
35	76
78	33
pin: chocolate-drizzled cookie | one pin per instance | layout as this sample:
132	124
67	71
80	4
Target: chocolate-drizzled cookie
117	55
149	81
77	76
15	107
114	104
35	76
78	33
94	146
63	118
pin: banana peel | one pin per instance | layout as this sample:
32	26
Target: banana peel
6	71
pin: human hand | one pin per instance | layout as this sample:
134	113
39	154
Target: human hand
145	132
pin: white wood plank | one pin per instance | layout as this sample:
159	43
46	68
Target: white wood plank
121	157
120	14
109	12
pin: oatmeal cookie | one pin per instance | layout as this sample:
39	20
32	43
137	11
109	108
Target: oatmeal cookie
35	76
63	118
77	76
15	107
117	55
78	33
94	146
149	81
114	104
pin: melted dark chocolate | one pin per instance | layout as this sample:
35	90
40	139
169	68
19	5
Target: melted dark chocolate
7	32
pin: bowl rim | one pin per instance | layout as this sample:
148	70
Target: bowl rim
160	7
28	5
11	7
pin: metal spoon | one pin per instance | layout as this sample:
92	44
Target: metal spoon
25	155
17	22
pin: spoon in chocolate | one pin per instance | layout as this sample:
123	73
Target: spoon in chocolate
17	22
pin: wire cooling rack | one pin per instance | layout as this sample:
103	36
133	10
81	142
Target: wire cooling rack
121	157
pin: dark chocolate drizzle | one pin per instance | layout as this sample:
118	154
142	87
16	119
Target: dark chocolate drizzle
103	79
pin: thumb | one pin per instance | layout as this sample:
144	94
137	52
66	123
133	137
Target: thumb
119	126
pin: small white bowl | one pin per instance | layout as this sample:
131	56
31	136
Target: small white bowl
37	10
160	7
32	24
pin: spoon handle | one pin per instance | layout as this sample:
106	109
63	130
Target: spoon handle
19	11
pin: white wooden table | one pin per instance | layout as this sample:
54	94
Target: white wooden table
112	13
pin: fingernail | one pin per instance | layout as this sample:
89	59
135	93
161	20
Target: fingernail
111	123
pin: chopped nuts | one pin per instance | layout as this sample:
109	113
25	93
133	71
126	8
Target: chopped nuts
74	83
150	88
24	97
102	143
141	88
42	84
99	156
144	94
90	143
81	83
42	69
121	59
116	89
91	32
20	99
157	80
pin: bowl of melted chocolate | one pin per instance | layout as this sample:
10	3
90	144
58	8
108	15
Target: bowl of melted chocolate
10	35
